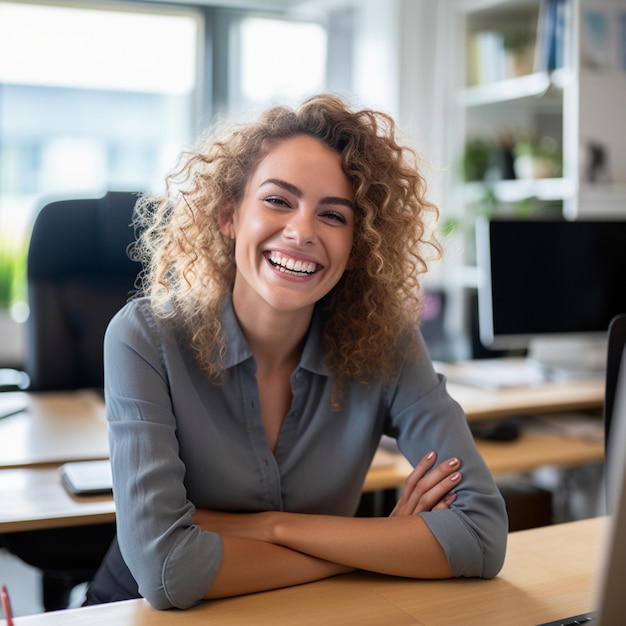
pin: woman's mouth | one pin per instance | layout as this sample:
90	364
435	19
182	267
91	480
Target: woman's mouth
288	265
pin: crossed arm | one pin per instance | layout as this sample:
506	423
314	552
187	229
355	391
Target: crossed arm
276	549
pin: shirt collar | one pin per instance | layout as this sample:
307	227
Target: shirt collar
313	353
238	350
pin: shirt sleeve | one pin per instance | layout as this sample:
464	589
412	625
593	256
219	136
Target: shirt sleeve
173	561
423	417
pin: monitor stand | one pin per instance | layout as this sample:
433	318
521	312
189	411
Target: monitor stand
570	358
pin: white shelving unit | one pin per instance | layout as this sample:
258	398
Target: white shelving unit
581	103
576	105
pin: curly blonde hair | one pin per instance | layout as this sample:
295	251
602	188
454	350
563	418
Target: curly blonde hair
372	312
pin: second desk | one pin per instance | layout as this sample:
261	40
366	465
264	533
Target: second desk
60	427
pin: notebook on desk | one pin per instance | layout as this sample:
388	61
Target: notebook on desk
12	402
610	600
87	478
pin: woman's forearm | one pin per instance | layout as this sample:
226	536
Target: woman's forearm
249	566
400	546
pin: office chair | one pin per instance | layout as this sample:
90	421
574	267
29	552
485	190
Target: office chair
79	276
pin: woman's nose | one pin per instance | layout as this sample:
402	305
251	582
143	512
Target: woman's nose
301	227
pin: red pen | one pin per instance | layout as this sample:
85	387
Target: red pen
6	606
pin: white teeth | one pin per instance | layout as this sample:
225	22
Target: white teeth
284	263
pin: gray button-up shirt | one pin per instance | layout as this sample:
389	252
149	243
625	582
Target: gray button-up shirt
180	442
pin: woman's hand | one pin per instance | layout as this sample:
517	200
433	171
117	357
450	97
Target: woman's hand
423	491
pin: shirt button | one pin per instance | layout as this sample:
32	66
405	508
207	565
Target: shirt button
298	375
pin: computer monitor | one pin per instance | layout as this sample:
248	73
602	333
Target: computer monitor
608	595
551	287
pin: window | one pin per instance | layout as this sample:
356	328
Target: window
91	99
100	95
277	61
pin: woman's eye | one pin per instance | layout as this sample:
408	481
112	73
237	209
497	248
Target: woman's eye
335	216
276	201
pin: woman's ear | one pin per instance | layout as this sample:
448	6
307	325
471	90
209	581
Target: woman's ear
225	218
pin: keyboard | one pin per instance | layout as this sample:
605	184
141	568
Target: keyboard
583	618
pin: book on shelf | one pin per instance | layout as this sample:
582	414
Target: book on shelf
486	58
553	28
603	38
621	40
497	55
595	44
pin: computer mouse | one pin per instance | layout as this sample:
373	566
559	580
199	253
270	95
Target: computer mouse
497	430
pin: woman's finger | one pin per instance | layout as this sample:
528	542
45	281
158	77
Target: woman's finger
409	494
421	492
446	502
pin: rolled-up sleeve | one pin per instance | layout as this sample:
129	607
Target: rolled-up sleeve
473	531
156	534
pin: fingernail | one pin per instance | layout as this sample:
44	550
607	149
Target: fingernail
430	455
455	477
453	462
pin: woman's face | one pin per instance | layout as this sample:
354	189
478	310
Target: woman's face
293	229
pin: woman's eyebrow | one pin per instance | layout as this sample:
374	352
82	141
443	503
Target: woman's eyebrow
298	192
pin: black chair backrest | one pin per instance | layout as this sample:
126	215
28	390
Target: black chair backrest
79	275
615	350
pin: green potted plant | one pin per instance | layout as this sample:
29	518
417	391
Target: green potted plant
12	273
537	158
519	50
12	295
6	278
477	159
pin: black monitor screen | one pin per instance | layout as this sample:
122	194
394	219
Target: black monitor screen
541	277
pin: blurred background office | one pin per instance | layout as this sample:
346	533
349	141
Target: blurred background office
514	105
103	95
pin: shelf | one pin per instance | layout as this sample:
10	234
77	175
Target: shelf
580	108
473	6
601	201
529	86
546	189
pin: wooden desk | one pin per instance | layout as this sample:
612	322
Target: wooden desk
60	427
56	427
529	452
525	454
479	404
34	498
549	574
70	426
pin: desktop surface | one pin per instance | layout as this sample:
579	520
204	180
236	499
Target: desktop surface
549	572
62	427
469	385
55	427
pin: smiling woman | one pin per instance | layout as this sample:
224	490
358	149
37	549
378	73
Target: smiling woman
296	212
275	342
